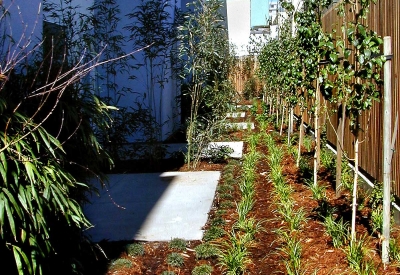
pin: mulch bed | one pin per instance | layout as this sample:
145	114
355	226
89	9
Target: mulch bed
318	251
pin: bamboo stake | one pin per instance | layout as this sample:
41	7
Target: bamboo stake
355	183
387	153
317	133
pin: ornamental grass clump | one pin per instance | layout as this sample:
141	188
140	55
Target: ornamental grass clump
234	258
291	253
356	254
318	191
337	229
249	226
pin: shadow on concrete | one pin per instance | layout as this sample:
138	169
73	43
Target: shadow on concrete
152	207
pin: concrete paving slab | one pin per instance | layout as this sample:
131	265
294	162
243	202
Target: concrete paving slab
236	114
240	125
152	207
243	107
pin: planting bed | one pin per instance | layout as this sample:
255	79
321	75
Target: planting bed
318	253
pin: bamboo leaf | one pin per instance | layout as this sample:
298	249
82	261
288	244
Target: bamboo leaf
31	171
2	210
18	254
14	202
10	219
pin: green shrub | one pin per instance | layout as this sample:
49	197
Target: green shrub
205	251
226	204
177	244
166	272
217	154
221	212
218	221
135	249
214	232
175	259
225	188
227	196
202	270
121	263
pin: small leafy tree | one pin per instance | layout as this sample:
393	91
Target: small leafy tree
365	68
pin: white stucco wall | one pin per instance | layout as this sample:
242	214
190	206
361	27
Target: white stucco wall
239	24
136	80
23	23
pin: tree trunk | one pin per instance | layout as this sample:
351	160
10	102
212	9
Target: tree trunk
355	183
339	148
283	119
301	137
290	129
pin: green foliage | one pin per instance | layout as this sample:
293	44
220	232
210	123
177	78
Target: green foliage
204	49
218	221
394	249
202	270
175	259
356	256
308	143
225	188
291	252
244	207
253	141
213	233
135	249
205	251
249	226
168	272
177	244
120	264
358	74
318	191
250	88
217	154
347	176
337	229
48	149
226	204
328	160
234	258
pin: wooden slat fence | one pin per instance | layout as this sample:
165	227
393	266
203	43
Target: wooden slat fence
384	18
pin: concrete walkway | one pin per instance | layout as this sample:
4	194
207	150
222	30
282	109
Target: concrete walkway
152	207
